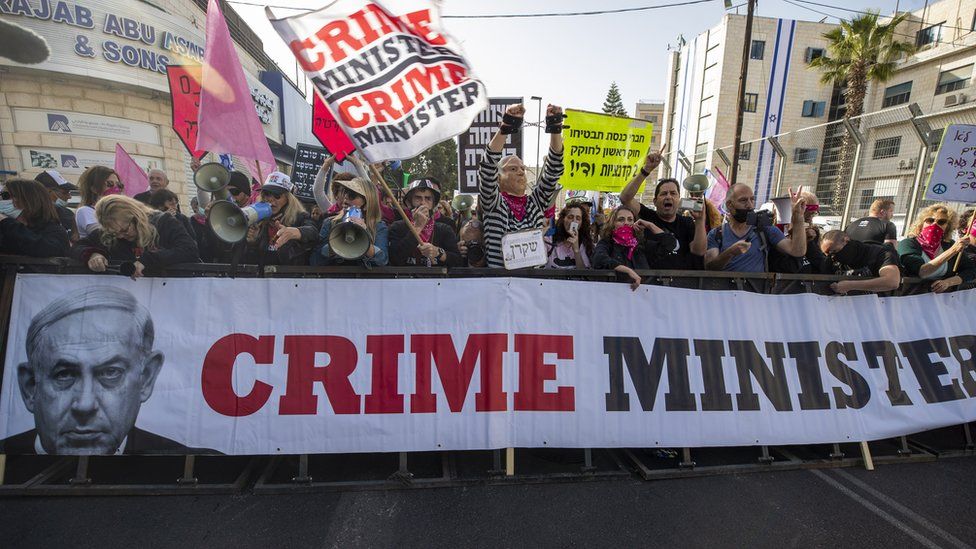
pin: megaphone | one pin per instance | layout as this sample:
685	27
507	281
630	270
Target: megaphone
349	240
230	222
695	184
213	178
462	202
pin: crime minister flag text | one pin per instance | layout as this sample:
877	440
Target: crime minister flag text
395	81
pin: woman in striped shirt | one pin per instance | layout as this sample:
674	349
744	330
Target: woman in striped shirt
507	206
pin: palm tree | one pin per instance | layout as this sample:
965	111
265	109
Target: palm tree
859	51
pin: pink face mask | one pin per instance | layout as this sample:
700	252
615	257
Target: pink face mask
112	190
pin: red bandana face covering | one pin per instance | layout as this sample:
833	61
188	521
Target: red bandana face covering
516	204
930	238
624	236
428	229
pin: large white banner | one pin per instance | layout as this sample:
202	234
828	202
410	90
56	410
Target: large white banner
396	82
102	364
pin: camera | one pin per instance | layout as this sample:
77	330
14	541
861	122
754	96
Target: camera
476	251
760	219
690	204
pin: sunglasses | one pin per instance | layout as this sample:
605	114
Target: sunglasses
813	208
236	192
265	194
941	222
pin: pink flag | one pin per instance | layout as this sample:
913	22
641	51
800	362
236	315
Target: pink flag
132	176
716	193
228	120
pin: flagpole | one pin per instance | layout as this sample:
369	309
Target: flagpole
260	175
396	204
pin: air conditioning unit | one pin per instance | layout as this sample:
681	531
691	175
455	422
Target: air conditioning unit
906	164
954	99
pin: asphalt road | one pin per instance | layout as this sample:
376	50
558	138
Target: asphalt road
900	505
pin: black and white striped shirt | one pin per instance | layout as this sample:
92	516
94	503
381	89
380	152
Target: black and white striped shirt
498	220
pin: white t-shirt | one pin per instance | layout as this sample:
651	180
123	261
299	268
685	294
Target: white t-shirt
86	220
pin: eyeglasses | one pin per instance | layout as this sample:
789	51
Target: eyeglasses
940	222
114	232
813	208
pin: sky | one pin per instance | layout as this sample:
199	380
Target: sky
571	61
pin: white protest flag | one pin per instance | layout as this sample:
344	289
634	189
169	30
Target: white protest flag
395	81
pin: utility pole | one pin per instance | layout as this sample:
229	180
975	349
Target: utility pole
746	48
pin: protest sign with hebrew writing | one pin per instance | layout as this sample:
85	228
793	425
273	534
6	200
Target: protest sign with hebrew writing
395	81
602	151
472	143
308	159
184	89
953	177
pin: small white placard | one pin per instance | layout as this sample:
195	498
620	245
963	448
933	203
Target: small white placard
524	249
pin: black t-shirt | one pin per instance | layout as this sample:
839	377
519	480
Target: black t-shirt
872	229
867	255
683	230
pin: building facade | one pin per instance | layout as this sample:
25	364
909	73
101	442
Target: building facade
105	83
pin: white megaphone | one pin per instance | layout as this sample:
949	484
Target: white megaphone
695	184
462	202
213	178
230	222
349	240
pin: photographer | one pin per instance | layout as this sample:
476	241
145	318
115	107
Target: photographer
675	241
742	244
439	246
844	253
471	244
571	246
503	188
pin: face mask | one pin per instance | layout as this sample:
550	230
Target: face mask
202	212
7	209
111	190
741	215
930	239
62	203
852	255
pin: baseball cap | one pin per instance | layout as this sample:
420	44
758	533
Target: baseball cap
277	183
53	180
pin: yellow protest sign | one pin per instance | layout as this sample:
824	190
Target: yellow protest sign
602	152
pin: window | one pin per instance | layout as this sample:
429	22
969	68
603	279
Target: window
653	119
813	53
867	197
814	109
886	148
954	79
745	151
928	35
750	101
896	95
758	48
804	156
886	188
701	157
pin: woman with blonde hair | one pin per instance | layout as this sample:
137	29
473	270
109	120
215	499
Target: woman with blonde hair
94	183
147	241
287	236
930	253
621	245
359	204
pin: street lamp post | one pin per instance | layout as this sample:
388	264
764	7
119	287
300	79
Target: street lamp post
538	135
746	47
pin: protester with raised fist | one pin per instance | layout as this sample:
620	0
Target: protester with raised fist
930	252
145	240
29	224
286	237
570	247
504	195
357	203
621	246
94	183
439	242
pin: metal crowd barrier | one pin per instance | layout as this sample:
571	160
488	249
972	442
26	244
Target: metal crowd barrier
144	475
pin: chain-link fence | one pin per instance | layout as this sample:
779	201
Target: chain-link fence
847	164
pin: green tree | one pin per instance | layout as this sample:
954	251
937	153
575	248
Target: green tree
439	162
614	105
859	51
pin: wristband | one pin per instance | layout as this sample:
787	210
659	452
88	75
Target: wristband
510	124
554	123
644	172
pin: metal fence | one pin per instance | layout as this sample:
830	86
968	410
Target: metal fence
883	154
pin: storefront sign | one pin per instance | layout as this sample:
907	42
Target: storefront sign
84	125
74	161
